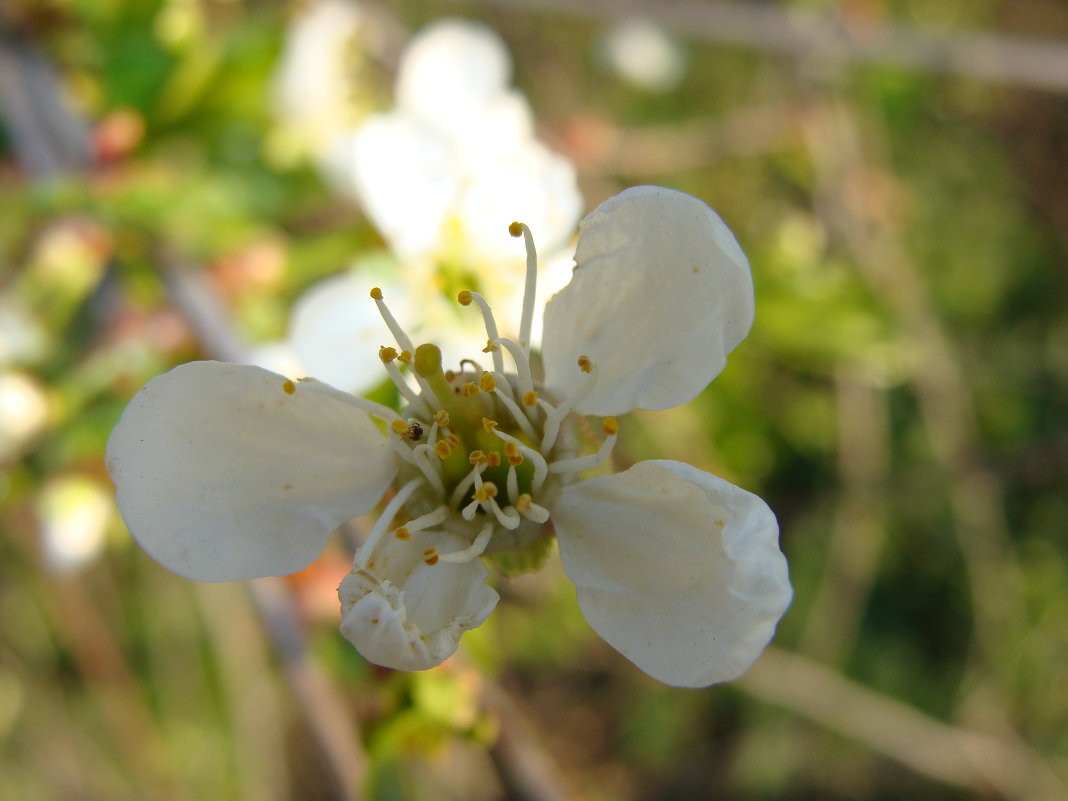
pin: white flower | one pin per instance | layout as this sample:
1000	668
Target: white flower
643	54
444	172
441	175
316	85
226	471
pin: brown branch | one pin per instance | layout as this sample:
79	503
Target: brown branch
1006	59
947	754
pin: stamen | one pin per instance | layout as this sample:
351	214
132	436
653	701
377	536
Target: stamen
372	408
489	425
541	468
380	526
493	459
578	394
530	398
487	383
512	484
402	450
391	322
465	485
522	365
443	449
441	417
403	387
530	510
428	520
517	414
470	389
431	555
586	462
431	470
472	551
530	287
487	318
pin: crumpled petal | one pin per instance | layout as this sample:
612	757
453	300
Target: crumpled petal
223	473
404	614
660	295
677	569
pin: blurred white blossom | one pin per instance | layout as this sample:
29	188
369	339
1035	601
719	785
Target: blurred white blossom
317	86
23	411
73	515
441	175
643	54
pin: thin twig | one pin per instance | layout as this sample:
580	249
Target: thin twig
952	755
1033	62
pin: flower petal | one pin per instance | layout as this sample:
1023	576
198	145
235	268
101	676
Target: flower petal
404	614
404	173
660	295
227	471
678	570
452	71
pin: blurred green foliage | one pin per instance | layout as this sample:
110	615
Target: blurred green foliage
902	403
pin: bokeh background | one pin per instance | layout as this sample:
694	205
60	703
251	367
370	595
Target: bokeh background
896	172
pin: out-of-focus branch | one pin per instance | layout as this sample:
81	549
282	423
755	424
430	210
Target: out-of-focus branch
860	524
1007	59
928	746
47	136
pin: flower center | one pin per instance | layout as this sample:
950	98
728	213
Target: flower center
483	452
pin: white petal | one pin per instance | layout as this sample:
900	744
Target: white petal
404	614
405	174
222	474
660	295
678	570
532	185
452	71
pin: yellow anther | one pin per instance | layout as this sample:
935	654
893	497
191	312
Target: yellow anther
442	448
387	354
516	229
402	533
485	492
487	383
493	459
405	357
430	555
399	427
476	457
470	389
441	417
530	398
453	440
523	502
611	426
490	346
289	387
489	425
585	364
512	453
376	293
465	297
